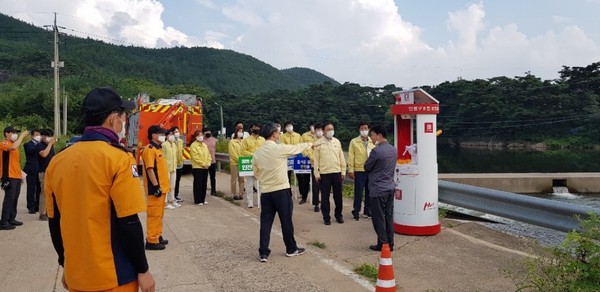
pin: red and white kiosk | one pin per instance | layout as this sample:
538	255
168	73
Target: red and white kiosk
416	197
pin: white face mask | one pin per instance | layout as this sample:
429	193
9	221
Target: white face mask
330	134
122	133
312	128
319	133
37	138
278	129
161	138
364	133
171	138
240	134
176	135
289	129
200	138
14	137
48	139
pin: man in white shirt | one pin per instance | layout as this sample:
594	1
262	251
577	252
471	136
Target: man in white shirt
270	169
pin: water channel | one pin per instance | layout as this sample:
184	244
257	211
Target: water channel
456	160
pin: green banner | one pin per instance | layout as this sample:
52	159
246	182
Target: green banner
245	166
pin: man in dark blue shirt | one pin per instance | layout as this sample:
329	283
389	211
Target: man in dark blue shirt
45	152
380	167
32	169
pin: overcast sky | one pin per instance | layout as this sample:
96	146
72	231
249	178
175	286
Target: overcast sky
370	42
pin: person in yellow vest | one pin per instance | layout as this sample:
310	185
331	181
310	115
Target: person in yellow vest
156	184
10	169
358	152
249	146
330	170
93	198
179	168
201	161
292	138
169	149
235	150
315	133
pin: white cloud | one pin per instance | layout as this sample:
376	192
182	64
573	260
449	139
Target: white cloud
363	41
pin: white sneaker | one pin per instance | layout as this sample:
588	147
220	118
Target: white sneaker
205	203
250	205
201	204
176	204
170	207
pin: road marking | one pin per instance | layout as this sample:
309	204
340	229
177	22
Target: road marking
489	244
336	266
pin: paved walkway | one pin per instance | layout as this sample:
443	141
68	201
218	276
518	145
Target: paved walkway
214	248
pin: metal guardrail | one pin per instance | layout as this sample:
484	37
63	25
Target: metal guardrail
537	211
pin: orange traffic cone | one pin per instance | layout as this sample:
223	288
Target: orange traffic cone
385	276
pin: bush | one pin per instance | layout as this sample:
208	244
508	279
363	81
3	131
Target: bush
574	265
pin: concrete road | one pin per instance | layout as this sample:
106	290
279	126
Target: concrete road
214	248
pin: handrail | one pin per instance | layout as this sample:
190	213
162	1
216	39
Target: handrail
537	211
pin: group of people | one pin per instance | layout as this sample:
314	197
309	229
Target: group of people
38	153
371	164
94	223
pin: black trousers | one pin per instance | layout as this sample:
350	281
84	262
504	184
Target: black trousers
212	171
329	181
303	184
33	191
178	174
315	188
11	197
200	180
382	214
279	202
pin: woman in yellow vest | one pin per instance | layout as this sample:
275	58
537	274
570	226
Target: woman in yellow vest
201	160
235	151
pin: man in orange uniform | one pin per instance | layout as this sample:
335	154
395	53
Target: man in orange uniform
10	169
156	183
93	197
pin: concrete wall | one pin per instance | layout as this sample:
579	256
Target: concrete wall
528	183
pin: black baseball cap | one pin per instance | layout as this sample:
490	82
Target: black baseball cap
156	129
104	100
11	129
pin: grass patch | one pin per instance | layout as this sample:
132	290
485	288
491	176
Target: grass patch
368	271
442	213
318	244
227	198
348	190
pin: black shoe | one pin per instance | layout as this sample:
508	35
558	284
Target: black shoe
6	227
317	209
213	193
367	215
15	223
339	220
327	222
299	251
178	199
32	212
154	246
375	247
162	241
355	215
302	201
263	258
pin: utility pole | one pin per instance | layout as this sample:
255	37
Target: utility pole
56	65
222	131
65	112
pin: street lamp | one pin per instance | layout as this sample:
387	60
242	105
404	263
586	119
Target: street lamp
222	132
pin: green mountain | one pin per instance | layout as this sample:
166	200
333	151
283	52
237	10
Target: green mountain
27	51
